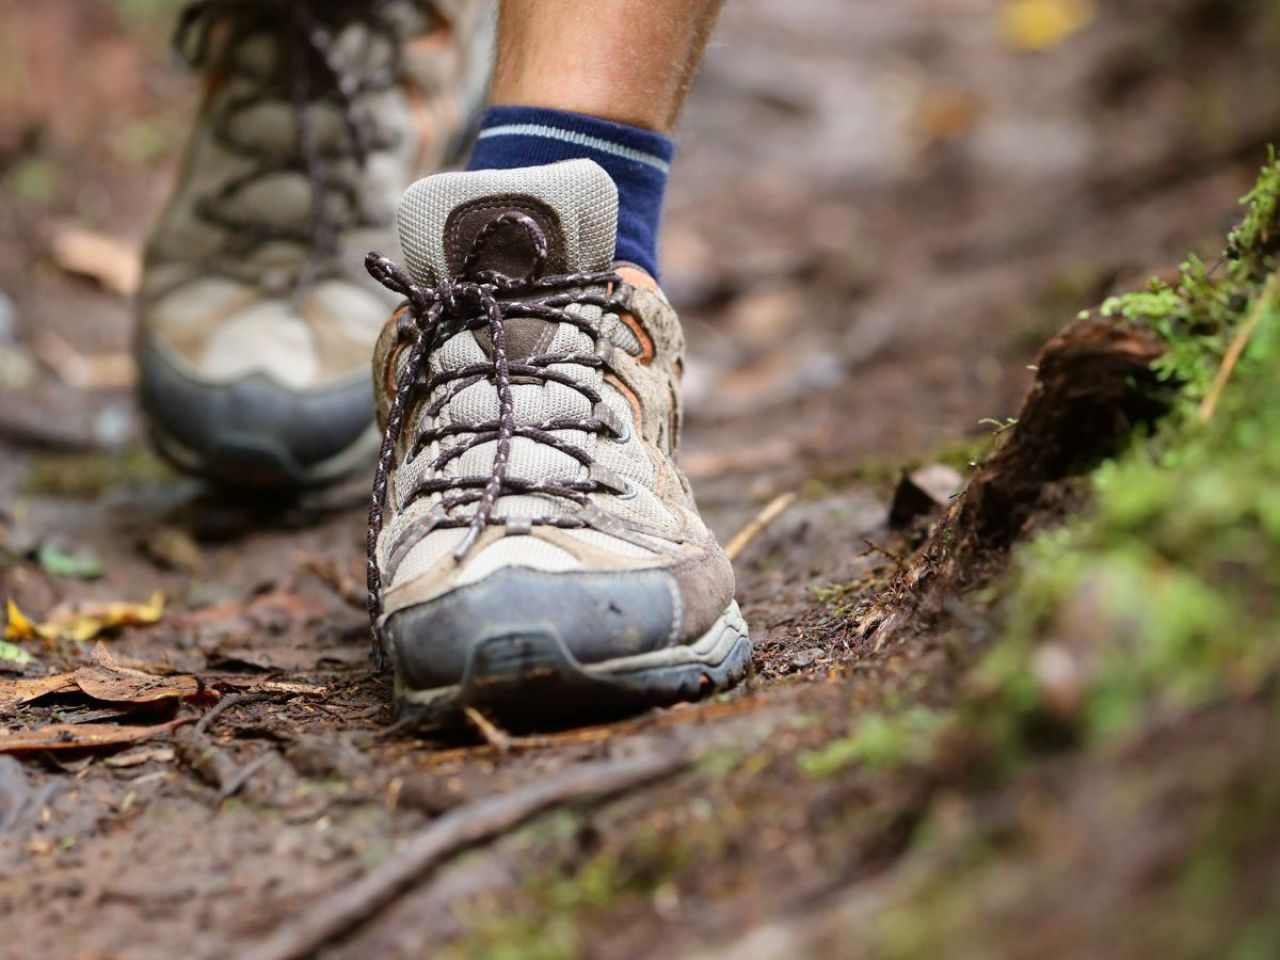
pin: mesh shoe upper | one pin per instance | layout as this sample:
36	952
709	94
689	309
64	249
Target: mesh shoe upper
587	486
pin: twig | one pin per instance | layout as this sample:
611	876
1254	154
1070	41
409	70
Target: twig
1236	350
226	703
771	512
502	741
899	559
337	914
205	759
493	735
215	766
243	776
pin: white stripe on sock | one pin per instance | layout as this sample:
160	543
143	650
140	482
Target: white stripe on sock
581	139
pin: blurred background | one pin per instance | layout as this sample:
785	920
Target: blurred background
880	212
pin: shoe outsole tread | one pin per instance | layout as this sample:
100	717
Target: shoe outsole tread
530	680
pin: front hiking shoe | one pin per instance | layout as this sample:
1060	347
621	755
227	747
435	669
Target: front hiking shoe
256	319
534	552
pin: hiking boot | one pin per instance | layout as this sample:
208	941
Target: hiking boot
256	317
535	553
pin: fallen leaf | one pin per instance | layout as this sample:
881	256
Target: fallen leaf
944	115
338	577
84	622
65	563
26	689
18	626
121	688
105	681
1040	24
13	655
172	548
83	736
111	261
89	713
133	758
284	686
104	371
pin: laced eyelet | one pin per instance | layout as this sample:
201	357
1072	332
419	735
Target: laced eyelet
624	436
630	491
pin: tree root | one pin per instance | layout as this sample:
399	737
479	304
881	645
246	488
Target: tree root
342	911
1094	386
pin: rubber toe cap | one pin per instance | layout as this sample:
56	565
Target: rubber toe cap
253	432
594	616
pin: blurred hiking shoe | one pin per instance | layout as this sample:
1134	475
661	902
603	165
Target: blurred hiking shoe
534	551
256	317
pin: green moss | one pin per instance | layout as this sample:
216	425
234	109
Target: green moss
880	742
1164	594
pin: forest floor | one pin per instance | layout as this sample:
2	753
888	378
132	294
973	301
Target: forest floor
880	215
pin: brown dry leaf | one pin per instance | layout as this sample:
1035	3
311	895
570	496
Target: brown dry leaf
103	371
172	548
106	681
333	573
111	261
102	684
945	115
133	758
82	736
110	681
15	692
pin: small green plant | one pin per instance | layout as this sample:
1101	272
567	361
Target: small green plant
880	742
1163	595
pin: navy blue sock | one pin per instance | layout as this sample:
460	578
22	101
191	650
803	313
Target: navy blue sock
638	161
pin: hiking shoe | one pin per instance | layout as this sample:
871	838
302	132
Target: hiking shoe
534	551
256	317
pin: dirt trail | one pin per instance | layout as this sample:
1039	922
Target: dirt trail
881	212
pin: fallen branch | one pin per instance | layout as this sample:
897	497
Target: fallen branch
771	512
208	761
237	782
502	741
339	913
225	704
1094	384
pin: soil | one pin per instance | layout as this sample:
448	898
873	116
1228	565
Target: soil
880	213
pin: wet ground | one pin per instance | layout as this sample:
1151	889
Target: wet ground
880	212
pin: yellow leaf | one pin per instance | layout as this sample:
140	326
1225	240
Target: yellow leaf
1041	24
83	623
18	626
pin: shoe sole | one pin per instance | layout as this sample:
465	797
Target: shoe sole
527	680
257	462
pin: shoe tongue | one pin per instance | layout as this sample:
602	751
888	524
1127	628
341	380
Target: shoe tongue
575	204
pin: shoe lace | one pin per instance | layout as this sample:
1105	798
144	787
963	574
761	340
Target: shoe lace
473	300
311	72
